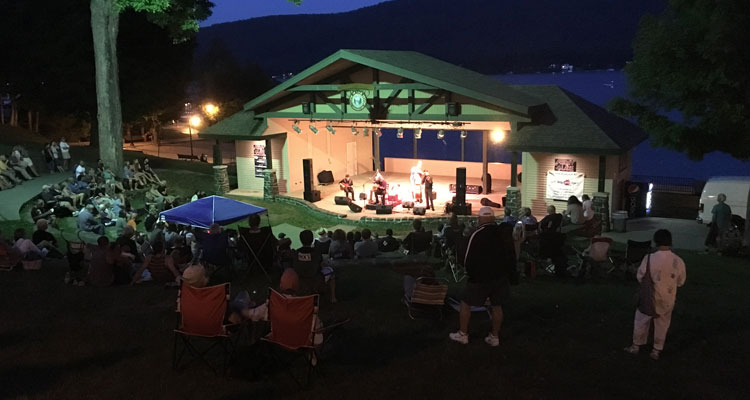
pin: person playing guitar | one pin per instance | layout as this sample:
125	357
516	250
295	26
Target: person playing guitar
379	188
347	185
416	182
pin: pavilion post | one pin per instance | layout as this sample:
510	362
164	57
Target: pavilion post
217	153
376	150
602	172
463	148
513	168
485	145
414	143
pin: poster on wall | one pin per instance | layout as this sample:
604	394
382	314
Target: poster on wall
259	155
563	184
565	164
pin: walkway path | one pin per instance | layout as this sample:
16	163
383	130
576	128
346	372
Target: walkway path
11	200
686	234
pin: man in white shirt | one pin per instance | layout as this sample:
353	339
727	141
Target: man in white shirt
588	207
80	169
667	273
65	153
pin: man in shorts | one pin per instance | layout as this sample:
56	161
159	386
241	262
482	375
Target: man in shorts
489	260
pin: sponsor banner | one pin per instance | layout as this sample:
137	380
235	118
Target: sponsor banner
562	184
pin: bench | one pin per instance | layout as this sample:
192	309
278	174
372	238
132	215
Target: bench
187	157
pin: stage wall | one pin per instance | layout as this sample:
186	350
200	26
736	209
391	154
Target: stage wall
448	168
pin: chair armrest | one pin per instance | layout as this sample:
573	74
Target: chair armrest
334	325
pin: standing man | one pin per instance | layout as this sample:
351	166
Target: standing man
415	178
65	153
721	216
490	258
427	182
347	185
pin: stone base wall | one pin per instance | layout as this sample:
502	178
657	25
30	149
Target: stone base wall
221	180
600	204
270	185
513	199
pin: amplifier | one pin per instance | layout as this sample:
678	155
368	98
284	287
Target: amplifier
384	209
420	210
341	200
312	196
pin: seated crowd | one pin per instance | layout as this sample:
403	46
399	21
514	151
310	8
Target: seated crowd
16	168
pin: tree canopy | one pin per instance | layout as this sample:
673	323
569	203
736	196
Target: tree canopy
693	60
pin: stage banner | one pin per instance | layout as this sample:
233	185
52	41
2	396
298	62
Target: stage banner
259	155
562	184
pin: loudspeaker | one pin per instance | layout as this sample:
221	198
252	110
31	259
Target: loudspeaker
341	200
407	204
363	196
384	209
470	189
371	206
462	209
308	108
312	196
307	174
452	109
354	207
420	210
460	186
489	183
325	177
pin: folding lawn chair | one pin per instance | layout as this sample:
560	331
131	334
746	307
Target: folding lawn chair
260	248
429	294
634	253
294	329
202	314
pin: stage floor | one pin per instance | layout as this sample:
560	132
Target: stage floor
399	182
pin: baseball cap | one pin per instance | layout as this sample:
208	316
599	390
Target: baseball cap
486	211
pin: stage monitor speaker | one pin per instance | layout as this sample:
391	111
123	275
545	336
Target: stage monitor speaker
420	210
355	207
341	200
325	177
384	209
462	209
460	186
371	206
307	174
312	196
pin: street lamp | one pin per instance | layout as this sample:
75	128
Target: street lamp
194	121
211	110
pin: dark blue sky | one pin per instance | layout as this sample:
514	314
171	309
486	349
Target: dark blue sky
233	10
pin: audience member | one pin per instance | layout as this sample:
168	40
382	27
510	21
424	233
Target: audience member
340	248
574	213
65	154
215	244
367	248
323	242
29	251
45	240
588	207
160	266
418	241
88	223
388	243
308	264
101	269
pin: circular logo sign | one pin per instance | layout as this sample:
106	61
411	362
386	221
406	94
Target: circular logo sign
358	100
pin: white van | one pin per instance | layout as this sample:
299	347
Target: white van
737	189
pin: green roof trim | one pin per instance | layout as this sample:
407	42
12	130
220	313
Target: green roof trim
422	69
240	126
570	124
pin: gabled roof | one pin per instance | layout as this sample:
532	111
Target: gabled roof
571	124
238	126
422	69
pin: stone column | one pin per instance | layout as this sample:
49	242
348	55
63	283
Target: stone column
221	179
600	204
513	199
270	185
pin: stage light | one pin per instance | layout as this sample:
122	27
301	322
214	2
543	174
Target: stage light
418	133
378	132
463	134
313	129
400	133
441	134
331	129
365	131
498	135
296	127
354	130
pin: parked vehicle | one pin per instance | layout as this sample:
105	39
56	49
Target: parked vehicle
737	189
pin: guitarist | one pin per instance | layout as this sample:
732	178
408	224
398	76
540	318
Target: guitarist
347	185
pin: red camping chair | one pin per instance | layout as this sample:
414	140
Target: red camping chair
293	329
202	313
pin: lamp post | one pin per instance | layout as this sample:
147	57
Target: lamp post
194	121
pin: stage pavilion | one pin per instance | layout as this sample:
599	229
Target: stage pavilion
336	112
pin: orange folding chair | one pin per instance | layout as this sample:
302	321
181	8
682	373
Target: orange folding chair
295	329
202	315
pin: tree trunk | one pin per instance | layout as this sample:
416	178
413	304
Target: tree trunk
13	113
30	116
36	123
2	112
105	20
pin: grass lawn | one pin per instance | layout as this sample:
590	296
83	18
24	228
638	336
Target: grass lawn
560	340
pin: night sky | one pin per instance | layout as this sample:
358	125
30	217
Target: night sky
233	10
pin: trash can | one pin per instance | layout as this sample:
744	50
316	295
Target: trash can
619	221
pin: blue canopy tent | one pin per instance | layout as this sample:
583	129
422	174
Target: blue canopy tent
209	210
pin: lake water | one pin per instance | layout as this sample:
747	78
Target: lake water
600	87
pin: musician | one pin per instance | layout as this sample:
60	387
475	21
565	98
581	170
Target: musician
347	185
416	182
427	183
379	187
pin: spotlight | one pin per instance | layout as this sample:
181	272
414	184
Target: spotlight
463	134
497	136
313	129
365	131
378	132
441	134
418	133
331	129
354	130
400	133
296	128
